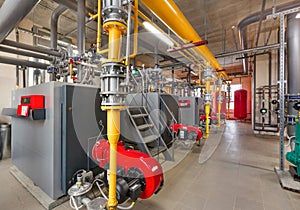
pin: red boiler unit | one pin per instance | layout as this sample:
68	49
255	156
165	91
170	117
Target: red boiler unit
240	104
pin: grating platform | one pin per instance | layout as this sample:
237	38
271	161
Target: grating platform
36	192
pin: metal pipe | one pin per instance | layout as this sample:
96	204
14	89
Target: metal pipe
11	14
17	66
263	5
255	49
190	57
256	17
99	27
54	22
53	36
31	48
254	93
24	76
270	81
207	108
80	34
168	11
115	26
71	4
14	61
25	53
127	61
136	25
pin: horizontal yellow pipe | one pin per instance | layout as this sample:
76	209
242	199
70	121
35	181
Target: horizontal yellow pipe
188	55
170	14
99	26
144	17
93	16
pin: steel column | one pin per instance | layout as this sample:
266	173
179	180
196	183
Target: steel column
281	90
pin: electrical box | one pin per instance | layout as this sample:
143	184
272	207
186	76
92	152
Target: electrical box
30	102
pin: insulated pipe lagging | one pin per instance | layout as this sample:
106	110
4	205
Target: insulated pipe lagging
11	14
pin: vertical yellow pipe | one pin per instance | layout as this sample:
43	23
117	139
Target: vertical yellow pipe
114	43
115	31
136	25
219	108
207	109
113	134
99	27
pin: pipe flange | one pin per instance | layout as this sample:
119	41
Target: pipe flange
220	98
207	98
112	91
208	73
114	13
219	83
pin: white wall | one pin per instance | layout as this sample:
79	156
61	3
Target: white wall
8	72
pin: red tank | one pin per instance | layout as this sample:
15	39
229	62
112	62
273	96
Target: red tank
240	104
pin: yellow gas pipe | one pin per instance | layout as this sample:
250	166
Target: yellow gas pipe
207	109
190	56
135	26
170	14
115	31
99	26
219	109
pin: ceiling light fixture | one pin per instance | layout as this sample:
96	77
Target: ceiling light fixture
298	15
157	33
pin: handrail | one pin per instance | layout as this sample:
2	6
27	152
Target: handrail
170	112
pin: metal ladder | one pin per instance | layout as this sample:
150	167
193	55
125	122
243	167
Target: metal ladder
149	138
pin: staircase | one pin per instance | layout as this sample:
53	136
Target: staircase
149	139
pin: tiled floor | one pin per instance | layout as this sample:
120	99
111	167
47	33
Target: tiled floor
239	176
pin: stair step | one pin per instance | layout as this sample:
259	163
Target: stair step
150	138
139	115
144	126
